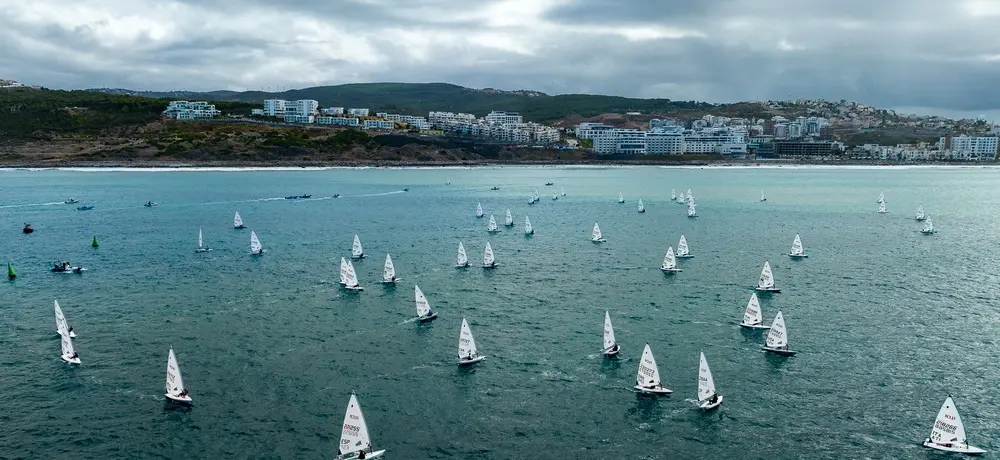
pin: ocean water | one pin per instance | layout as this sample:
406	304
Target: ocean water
887	321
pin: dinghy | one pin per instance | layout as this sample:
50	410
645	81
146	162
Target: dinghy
489	260
343	271
762	198
531	198
766	281
467	353
682	249
424	312
920	213
11	274
463	260
351	278
508	220
479	210
881	208
238	221
621	199
708	399
673	195
554	196
356	251
255	247
611	348
492	226
174	389
928	227
595	235
948	432
647	380
201	245
692	212
562	191
680	198
669	261
528	229
752	318
797	251
389	271
68	353
777	338
67	267
354	436
61	324
642	208
690	197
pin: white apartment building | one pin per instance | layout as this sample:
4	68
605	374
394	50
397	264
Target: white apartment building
184	110
592	130
970	148
358	112
337	121
545	134
378	124
281	107
294	118
413	121
665	141
627	141
660	123
721	141
781	131
442	118
333	111
795	130
503	118
274	107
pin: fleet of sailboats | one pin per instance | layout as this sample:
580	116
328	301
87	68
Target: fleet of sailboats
881	207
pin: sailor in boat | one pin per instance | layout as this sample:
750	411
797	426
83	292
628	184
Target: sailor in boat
75	355
28	229
614	348
182	393
713	400
70	331
651	386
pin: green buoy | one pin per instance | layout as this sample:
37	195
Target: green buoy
94	244
10	271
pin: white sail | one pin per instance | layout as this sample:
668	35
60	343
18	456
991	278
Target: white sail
479	210
354	436
609	332
389	270
423	307
562	191
691	210
682	247
67	346
948	426
621	199
237	220
175	383
528	229
343	270
766	280
596	234
508	220
200	245
777	337
488	258
462	258
673	194
752	315
762	196
351	278
881	207
641	207
356	251
255	247
466	343
928	225
554	195
62	327
492	226
881	197
649	374
706	384
669	261
689	195
920	212
796	246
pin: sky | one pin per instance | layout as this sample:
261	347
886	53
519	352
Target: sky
921	56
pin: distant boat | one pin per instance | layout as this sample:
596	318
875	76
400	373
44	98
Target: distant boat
762	198
690	196
310	196
255	246
881	197
673	195
174	388
562	191
67	267
354	435
621	199
61	325
642	208
596	235
611	348
489	260
549	183
389	271
28	229
554	195
492	225
424	312
692	212
531	198
479	210
68	353
528	229
238	221
682	249
928	227
881	208
920	213
508	221
343	271
71	201
94	243
777	338
752	318
669	261
85	207
708	399
948	432
149	204
766	281
467	352
292	197
356	251
494	187
463	260
201	245
647	380
351	278
797	251
11	274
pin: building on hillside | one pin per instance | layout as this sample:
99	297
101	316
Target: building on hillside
274	107
592	130
293	118
332	111
378	124
503	118
662	123
665	141
184	110
281	107
621	141
443	118
970	148
338	121
803	149
358	112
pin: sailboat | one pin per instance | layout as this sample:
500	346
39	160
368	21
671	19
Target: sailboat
762	198
508	220
255	247
920	213
68	353
562	191
424	312
689	195
928	227
201	245
174	389
489	260
356	251
238	221
354	437
479	210
463	260
492	226
881	207
708	399
881	196
647	380
669	262
642	208
611	348
61	325
11	274
596	236
554	195
621	199
797	251
682	249
467	353
680	198
766	281
528	229
351	278
343	271
531	198
673	195
692	212
777	338
948	432
389	271
752	318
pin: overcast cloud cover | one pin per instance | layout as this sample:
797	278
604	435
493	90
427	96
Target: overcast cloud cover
938	56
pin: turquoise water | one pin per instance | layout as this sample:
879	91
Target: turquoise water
887	321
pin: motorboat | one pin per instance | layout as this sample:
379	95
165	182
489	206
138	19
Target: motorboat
336	195
28	228
495	188
406	189
549	183
305	196
292	197
71	201
149	204
86	207
66	267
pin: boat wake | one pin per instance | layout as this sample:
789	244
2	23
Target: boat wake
26	205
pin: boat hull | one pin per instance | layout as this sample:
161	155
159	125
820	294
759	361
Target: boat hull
754	326
70	270
686	256
652	391
178	399
241	227
778	351
354	288
706	406
692	217
966	449
928	233
768	290
920	219
493	265
354	456
71	360
465	265
362	256
602	240
202	249
669	270
612	352
798	256
427	319
469	362
393	281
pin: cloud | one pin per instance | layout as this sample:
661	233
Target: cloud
932	54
